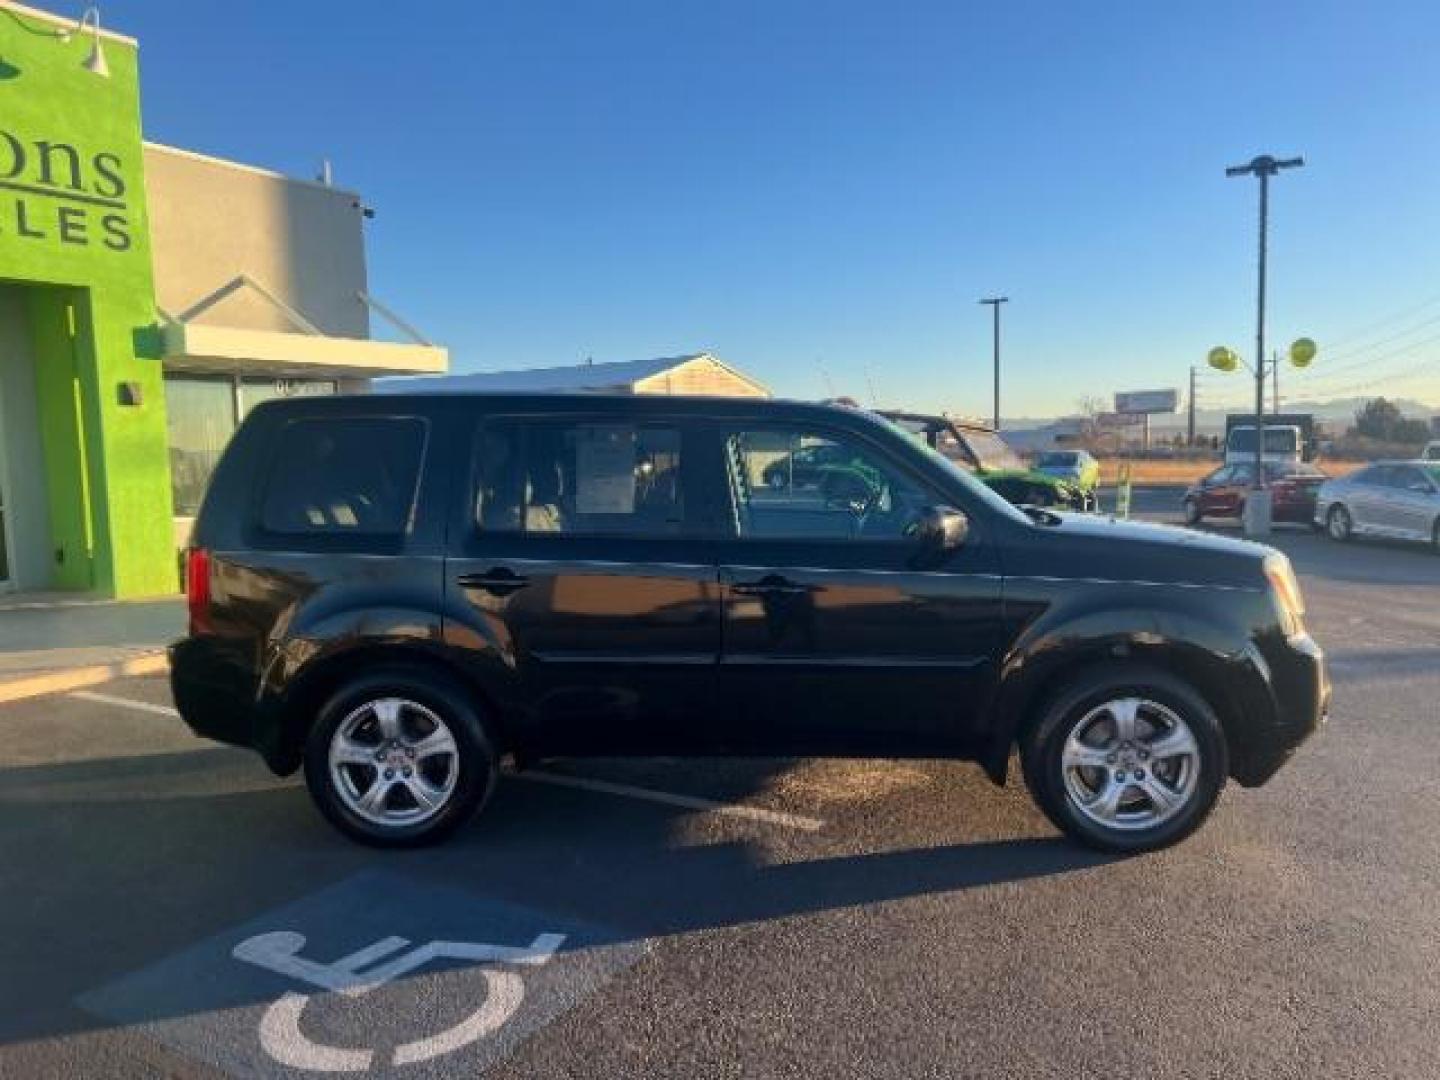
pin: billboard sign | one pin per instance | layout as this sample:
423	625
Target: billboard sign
1109	420
1140	402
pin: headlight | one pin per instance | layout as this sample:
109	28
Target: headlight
1281	576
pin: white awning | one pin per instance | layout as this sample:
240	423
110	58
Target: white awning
191	347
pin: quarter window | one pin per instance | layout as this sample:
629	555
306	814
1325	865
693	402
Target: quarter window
351	476
568	477
805	486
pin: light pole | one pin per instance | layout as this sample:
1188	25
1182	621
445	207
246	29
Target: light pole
995	302
1257	505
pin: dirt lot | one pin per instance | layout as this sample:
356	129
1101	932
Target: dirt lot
1186	472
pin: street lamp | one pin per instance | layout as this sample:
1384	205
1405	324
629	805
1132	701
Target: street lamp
1257	505
995	302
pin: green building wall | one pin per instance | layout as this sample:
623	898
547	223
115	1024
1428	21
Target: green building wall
74	230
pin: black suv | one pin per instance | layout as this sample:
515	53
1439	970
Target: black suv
396	591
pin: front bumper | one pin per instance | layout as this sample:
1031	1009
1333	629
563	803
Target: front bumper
1299	691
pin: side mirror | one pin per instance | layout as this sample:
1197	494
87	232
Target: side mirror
939	531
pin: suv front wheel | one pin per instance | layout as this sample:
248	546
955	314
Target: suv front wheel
399	758
1126	759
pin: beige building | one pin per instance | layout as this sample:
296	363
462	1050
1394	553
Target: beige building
260	280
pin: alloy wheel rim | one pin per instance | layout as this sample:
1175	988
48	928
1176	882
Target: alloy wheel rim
1130	763
394	762
1339	524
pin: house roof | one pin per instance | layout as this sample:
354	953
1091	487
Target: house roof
551	380
545	380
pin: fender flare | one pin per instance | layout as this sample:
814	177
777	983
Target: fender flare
301	659
1200	650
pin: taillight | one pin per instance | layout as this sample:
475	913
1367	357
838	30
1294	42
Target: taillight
197	589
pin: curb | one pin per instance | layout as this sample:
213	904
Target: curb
57	682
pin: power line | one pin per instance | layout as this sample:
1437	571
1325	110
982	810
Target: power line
1365	330
1396	376
1349	354
1329	373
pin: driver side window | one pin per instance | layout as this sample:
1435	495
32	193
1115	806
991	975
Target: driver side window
797	485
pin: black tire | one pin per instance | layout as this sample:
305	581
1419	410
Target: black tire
1338	523
1193	513
1435	537
1043	745
476	760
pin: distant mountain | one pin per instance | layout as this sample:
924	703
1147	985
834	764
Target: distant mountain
1339	412
1334	413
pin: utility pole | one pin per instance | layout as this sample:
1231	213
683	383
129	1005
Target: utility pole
1275	381
1190	411
1257	505
995	302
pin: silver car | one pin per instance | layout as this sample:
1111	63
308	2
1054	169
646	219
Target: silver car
1396	499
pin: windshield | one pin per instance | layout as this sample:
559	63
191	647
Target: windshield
1056	459
991	450
916	431
1278	440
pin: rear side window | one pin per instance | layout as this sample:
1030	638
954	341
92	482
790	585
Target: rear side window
579	478
344	476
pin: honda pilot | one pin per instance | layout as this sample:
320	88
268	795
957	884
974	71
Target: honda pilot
396	592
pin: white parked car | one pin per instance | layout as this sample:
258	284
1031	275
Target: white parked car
1396	499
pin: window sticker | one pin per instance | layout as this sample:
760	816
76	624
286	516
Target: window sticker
605	469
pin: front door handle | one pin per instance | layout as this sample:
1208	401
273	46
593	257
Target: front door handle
497	581
770	585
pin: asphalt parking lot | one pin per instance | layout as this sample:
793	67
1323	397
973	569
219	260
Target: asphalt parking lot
173	910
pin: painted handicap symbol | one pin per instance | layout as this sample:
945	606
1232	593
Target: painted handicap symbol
353	975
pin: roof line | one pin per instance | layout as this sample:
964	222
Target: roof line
721	363
62	21
210	159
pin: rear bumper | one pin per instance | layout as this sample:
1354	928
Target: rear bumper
206	695
1299	512
1299	692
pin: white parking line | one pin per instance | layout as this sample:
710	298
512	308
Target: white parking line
689	802
126	703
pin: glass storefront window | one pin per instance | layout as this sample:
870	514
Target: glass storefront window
201	410
201	415
254	391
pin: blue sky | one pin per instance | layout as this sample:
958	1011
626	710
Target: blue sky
828	187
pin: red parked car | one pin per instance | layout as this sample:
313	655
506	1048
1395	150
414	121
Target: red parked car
1222	493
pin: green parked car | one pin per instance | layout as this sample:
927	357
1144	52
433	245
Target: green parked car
1075	467
983	452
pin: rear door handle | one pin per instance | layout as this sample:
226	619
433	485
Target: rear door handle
770	585
497	581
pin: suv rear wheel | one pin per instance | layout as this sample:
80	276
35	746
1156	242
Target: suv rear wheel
1126	759
399	758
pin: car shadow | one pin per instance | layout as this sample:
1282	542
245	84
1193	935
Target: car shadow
116	864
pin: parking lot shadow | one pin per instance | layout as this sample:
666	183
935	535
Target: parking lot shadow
115	865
